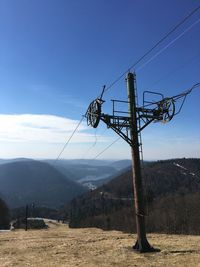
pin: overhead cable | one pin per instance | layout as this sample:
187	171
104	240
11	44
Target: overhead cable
154	46
175	70
92	146
183	95
169	44
65	145
106	148
134	64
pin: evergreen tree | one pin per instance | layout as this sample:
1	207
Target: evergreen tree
4	216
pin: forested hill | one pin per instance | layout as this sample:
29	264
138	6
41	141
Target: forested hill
169	185
29	181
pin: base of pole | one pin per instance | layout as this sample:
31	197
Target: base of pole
144	247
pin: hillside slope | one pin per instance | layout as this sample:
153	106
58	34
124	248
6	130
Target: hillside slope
29	181
172	198
61	246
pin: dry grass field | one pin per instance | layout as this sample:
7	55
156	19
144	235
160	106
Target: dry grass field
61	246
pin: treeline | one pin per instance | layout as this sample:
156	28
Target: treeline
176	214
4	216
34	212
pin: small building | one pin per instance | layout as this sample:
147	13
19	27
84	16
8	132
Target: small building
32	223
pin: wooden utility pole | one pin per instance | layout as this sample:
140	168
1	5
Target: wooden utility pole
128	125
141	244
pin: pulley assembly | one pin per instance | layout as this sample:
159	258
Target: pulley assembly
93	113
162	111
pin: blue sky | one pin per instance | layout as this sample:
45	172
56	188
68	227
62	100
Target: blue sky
55	56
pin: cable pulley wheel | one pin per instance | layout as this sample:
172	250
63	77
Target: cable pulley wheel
168	109
94	113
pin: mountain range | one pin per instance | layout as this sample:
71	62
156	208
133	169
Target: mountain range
48	183
29	181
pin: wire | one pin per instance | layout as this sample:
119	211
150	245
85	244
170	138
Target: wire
92	146
184	95
169	44
176	97
187	91
106	148
154	46
175	70
94	143
105	89
108	145
65	145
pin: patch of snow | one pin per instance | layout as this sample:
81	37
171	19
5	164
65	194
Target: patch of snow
183	168
180	166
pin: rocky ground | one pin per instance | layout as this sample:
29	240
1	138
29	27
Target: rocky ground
61	246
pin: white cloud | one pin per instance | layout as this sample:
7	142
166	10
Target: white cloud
43	136
41	128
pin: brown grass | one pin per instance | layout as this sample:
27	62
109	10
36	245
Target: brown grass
91	247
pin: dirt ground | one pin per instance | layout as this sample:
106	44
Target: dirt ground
91	247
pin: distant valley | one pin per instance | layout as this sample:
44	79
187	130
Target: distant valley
51	184
90	173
